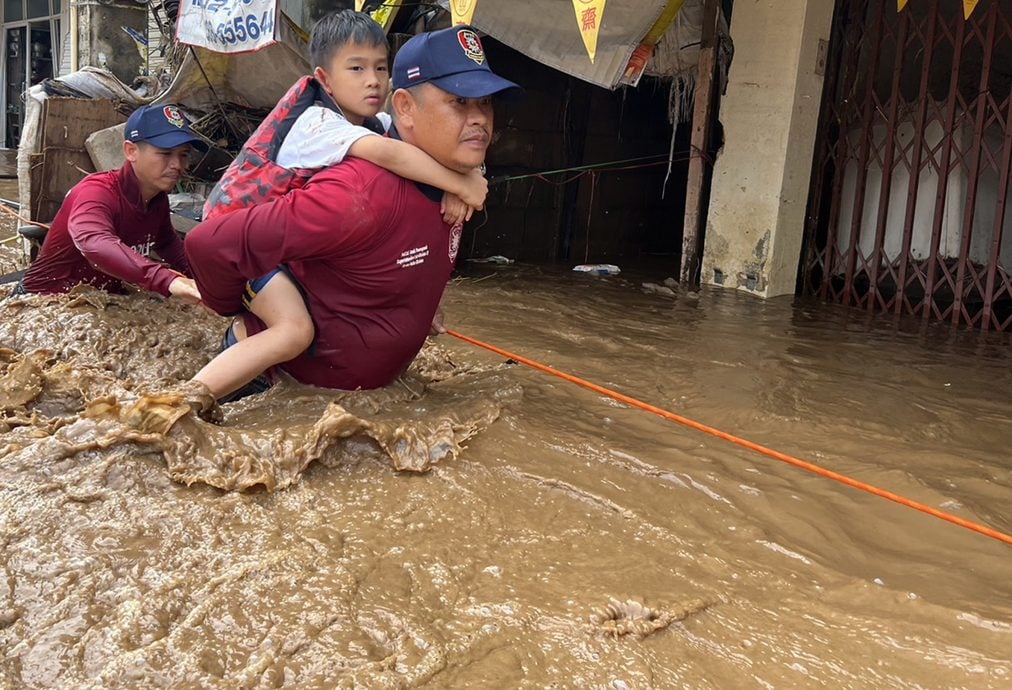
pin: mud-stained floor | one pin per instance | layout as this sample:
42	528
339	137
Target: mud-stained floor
479	524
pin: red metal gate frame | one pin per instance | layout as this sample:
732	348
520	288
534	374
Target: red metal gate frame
945	288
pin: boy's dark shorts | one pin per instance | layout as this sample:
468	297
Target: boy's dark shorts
254	287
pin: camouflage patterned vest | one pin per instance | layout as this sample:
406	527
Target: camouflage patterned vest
254	176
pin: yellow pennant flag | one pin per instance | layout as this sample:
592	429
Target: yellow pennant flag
588	18
462	11
385	14
359	4
900	4
968	7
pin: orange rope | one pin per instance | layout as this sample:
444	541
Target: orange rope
12	212
762	450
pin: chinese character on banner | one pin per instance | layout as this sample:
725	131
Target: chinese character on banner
462	11
588	18
227	26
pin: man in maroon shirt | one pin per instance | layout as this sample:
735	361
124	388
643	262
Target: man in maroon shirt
369	249
110	222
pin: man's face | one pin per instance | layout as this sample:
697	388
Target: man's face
158	170
455	131
358	78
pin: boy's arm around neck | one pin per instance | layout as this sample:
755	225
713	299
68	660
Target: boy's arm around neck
412	163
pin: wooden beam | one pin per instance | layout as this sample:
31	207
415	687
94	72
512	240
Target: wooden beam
700	167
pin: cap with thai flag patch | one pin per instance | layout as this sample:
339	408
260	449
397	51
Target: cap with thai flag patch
452	59
162	126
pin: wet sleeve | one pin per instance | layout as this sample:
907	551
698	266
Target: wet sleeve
92	229
170	247
318	139
325	220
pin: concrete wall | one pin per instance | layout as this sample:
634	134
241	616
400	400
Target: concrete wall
103	42
770	115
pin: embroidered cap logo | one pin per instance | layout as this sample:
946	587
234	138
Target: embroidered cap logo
471	44
173	115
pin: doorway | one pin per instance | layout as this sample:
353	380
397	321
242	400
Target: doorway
31	39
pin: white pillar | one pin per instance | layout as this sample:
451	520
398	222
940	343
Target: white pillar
770	114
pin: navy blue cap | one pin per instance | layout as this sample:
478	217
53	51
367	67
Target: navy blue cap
163	126
452	59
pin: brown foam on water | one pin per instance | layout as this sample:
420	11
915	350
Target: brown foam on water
231	457
571	543
417	422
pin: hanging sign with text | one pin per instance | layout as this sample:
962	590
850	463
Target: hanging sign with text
227	26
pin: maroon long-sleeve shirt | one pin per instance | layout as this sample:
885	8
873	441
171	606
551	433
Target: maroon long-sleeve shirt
370	252
103	235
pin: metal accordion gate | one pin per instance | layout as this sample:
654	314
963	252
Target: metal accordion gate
908	210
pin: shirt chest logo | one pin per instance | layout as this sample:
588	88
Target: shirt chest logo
413	257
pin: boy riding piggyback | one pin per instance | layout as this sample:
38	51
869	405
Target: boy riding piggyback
325	117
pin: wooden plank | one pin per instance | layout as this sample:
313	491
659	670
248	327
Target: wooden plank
53	175
36	171
699	166
66	124
70	121
63	169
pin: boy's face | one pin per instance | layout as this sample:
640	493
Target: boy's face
358	78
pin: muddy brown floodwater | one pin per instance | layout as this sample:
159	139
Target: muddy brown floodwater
479	524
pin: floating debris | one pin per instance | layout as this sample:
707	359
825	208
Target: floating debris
598	269
655	289
497	259
630	617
